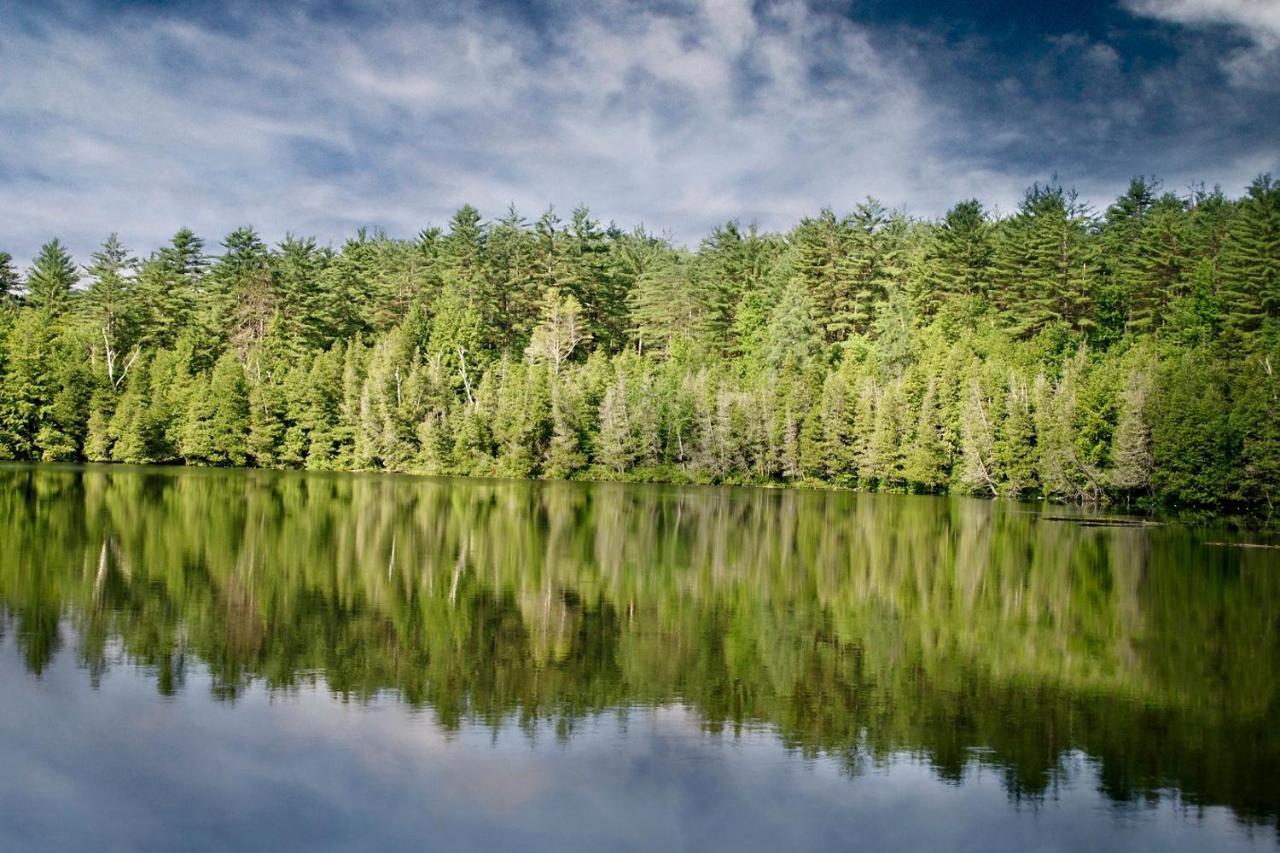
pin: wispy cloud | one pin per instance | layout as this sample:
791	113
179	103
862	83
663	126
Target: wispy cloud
1261	18
317	120
1257	63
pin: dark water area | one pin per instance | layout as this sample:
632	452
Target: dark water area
201	660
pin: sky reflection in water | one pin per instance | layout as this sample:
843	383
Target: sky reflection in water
338	662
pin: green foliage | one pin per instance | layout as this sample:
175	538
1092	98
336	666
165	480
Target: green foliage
9	280
50	279
1050	353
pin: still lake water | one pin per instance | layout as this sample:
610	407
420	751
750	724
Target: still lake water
256	660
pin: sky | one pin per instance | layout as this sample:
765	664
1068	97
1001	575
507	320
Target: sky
318	118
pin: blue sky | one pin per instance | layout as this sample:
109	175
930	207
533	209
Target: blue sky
318	118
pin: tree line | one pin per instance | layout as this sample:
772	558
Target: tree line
1056	351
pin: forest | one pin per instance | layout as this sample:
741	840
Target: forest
1056	351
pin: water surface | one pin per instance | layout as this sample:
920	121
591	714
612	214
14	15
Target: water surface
211	659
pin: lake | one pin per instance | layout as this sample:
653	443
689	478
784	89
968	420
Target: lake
203	659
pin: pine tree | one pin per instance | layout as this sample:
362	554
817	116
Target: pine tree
926	459
133	432
560	331
1251	258
820	247
1257	420
197	441
883	463
1044	262
302	308
565	455
29	383
230	419
110	308
9	280
185	257
321	418
614	450
868	268
514	287
1015	442
598	279
99	439
978	439
791	339
961	256
50	279
1131	461
1161	264
1193	445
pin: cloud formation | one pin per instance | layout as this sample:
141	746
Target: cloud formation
319	119
1260	18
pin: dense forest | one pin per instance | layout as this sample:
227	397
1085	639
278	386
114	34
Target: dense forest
1058	351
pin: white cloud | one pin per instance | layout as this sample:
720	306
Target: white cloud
1261	18
145	121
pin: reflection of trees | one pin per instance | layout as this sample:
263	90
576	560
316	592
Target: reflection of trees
857	625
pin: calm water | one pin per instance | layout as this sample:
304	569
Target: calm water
203	660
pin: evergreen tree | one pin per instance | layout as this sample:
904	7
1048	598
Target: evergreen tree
110	308
1257	420
50	279
229	427
514	287
926	461
666	305
1160	269
1131	461
1193	446
1251	258
1044	262
961	256
30	384
9	280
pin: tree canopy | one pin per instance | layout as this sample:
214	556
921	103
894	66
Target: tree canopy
1057	351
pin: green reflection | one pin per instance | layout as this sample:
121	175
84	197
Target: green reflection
857	626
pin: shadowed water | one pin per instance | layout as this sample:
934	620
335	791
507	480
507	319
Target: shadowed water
209	659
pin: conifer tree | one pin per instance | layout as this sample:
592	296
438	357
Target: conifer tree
132	434
1044	262
9	280
820	249
961	256
230	417
926	459
1251	258
110	308
510	252
666	306
50	279
1257	420
1131	461
560	331
29	384
1160	268
1193	446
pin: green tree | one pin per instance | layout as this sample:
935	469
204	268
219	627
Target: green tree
50	279
962	255
9	280
1045	262
1251	258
